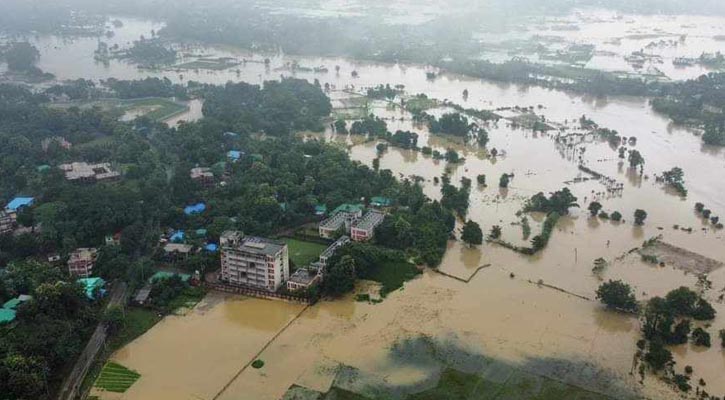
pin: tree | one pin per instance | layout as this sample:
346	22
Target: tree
341	126
639	217
340	277
495	232
114	318
635	159
616	216
594	208
504	181
657	356
21	56
699	207
481	179
472	234
700	337
617	295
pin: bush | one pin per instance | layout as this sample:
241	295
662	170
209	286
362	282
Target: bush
257	364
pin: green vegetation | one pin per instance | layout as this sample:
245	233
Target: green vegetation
676	179
639	217
257	364
365	261
560	202
700	337
302	253
392	275
149	52
616	295
116	378
658	320
594	208
472	234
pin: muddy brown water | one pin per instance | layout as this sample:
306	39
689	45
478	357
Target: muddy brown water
515	320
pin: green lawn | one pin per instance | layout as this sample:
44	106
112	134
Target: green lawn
116	378
392	275
303	253
187	299
138	321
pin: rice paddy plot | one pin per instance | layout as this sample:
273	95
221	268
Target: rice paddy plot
116	378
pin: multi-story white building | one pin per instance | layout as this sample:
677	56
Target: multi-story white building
253	261
82	261
364	229
342	218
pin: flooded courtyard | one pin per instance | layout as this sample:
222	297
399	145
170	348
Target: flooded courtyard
531	313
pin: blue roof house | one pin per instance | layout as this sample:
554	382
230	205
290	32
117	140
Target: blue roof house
177	237
234	155
194	209
20	202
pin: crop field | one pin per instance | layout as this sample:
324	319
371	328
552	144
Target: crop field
116	378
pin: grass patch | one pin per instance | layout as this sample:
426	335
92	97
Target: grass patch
116	378
392	275
303	253
137	322
188	298
418	104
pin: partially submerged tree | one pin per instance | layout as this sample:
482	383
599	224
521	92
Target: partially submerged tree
472	234
617	295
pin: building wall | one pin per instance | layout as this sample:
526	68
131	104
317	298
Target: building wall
255	270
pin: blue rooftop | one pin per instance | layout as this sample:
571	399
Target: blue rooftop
234	155
197	208
177	237
211	247
20	202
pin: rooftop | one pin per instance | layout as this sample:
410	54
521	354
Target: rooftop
334	222
251	244
90	285
348	207
303	276
343	240
177	237
6	315
178	248
19	202
197	208
234	155
379	201
370	220
83	170
83	254
201	172
166	275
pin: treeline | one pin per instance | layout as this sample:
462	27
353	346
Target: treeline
49	332
277	108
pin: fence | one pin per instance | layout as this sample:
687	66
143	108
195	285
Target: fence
259	293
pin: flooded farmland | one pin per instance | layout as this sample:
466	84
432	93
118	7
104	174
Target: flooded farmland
527	313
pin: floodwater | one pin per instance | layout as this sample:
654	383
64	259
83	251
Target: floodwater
662	39
512	319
